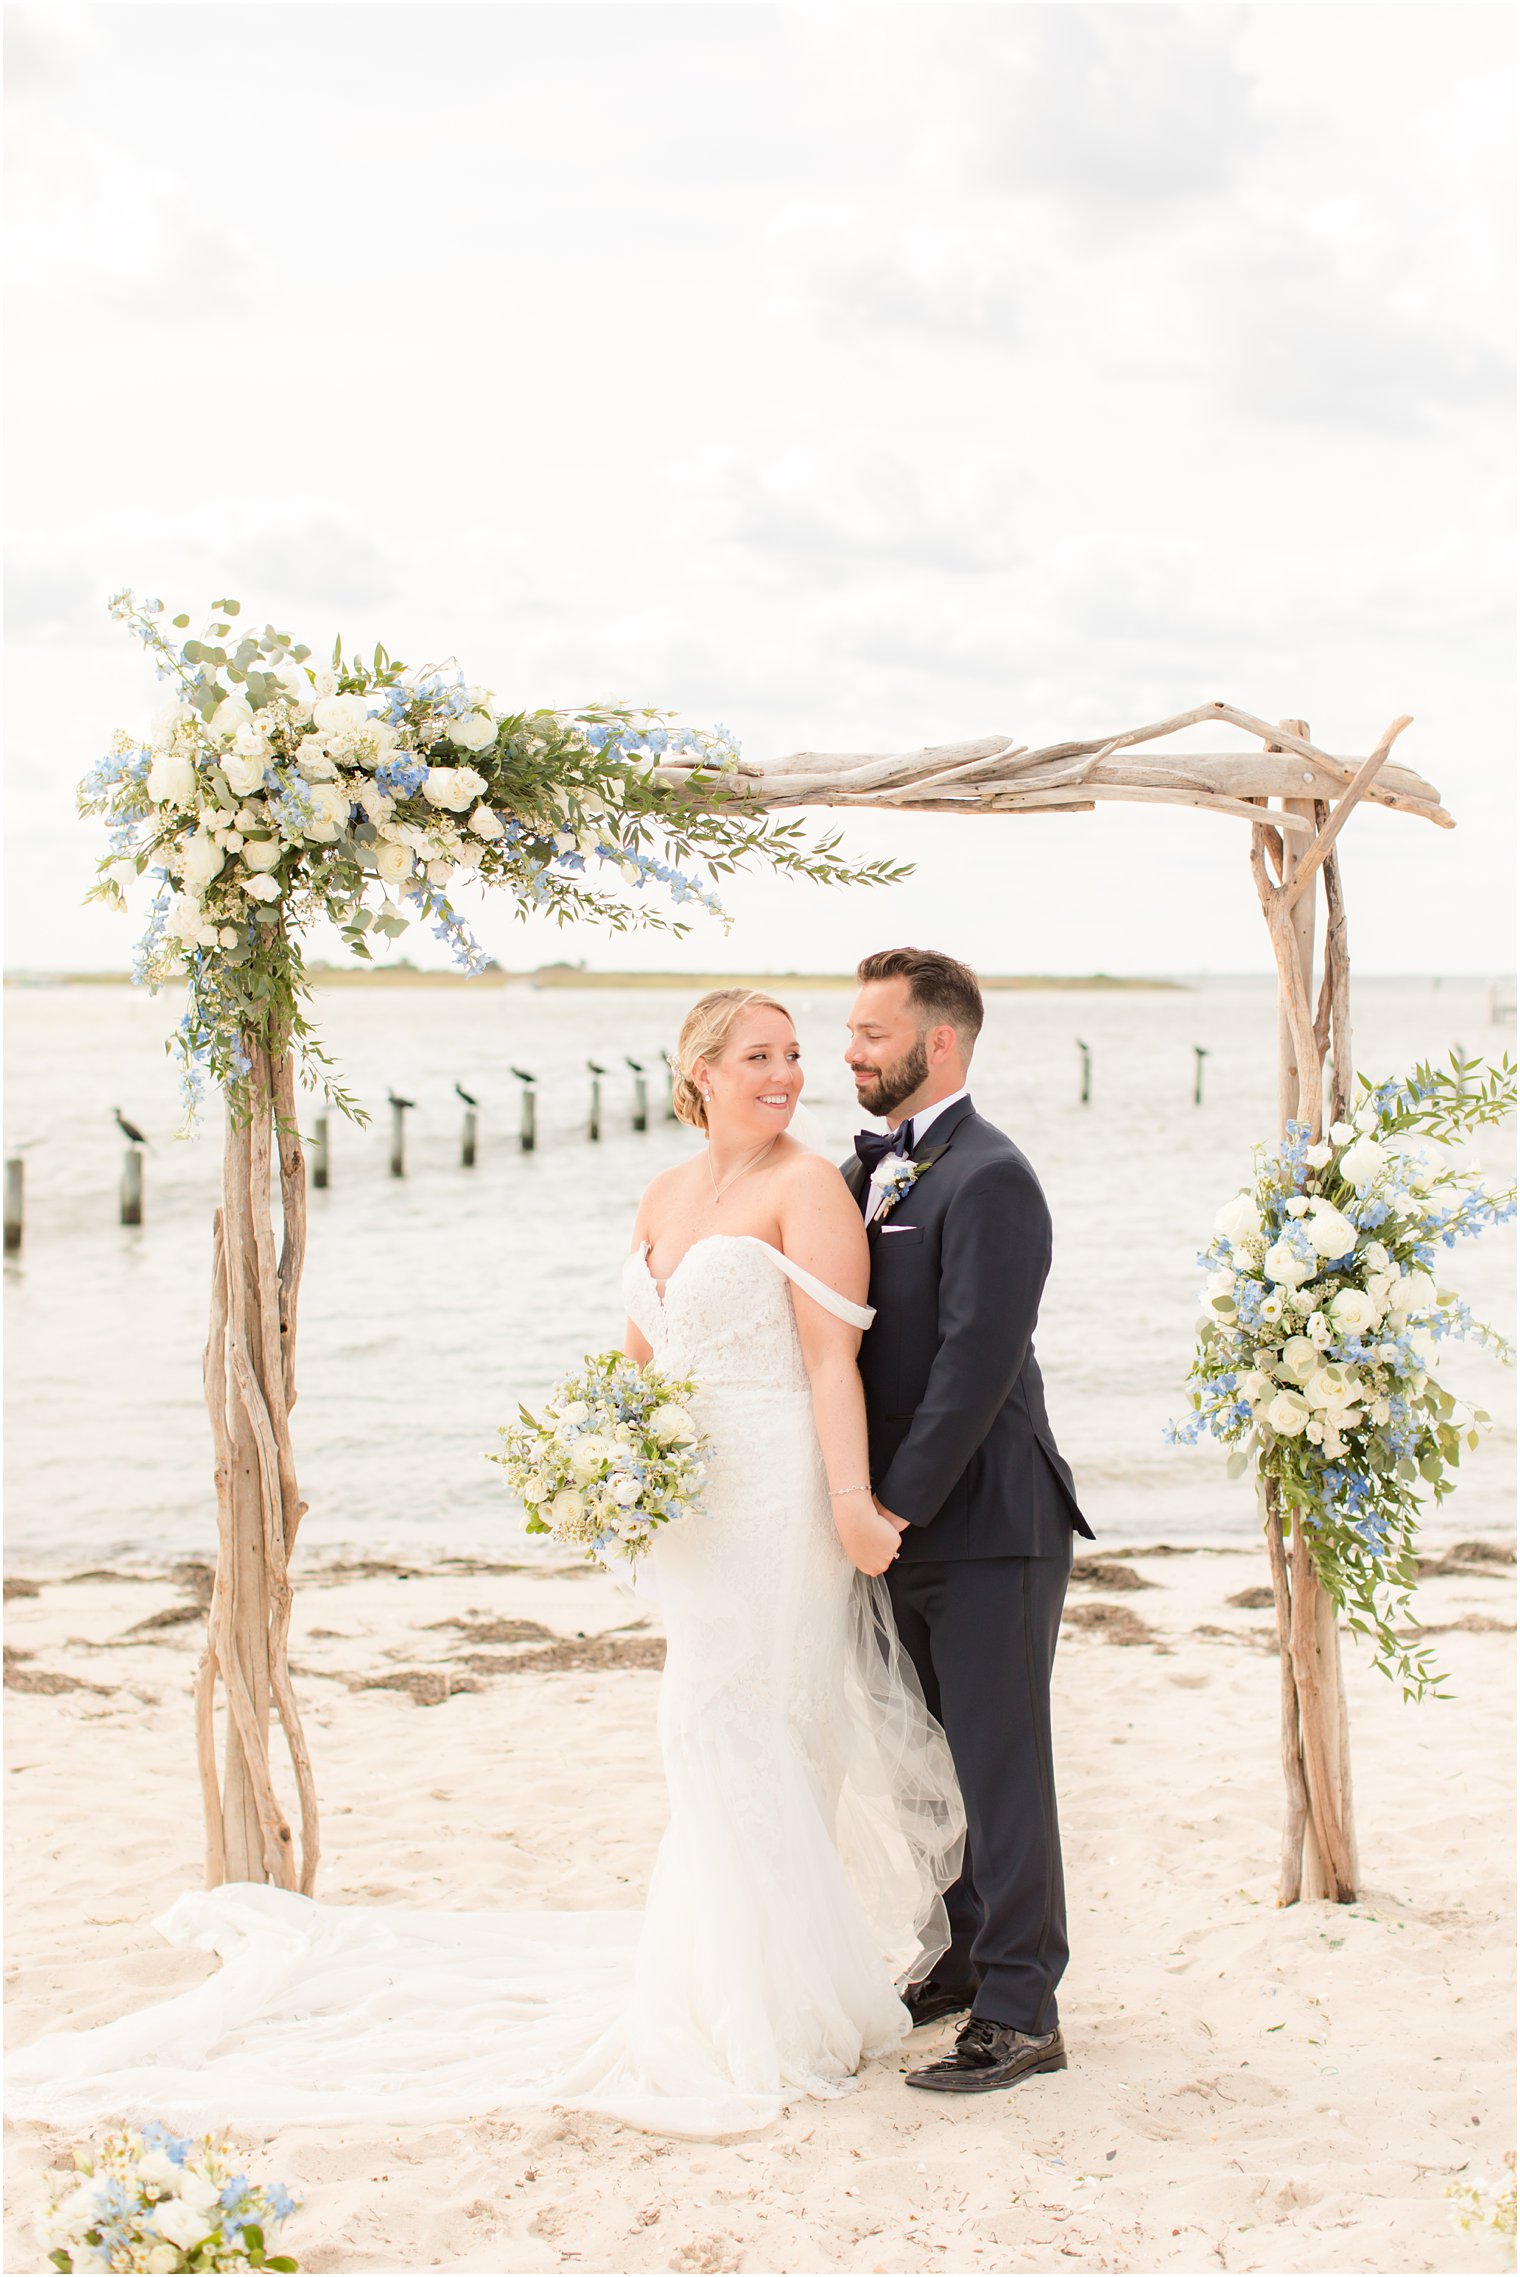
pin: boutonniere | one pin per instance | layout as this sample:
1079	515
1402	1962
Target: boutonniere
891	1178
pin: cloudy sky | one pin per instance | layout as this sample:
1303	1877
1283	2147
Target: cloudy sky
859	376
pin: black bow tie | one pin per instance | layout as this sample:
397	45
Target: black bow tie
872	1147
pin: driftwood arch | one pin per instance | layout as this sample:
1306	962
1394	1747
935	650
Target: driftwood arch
1296	799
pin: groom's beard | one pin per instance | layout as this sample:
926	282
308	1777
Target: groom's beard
884	1088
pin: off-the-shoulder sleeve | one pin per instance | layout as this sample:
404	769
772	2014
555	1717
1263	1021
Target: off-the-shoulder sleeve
859	1316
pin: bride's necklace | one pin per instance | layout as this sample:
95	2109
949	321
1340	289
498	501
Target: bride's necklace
743	1170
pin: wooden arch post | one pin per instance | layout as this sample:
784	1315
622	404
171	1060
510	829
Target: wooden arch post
1293	842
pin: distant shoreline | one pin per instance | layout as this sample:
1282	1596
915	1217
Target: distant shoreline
580	976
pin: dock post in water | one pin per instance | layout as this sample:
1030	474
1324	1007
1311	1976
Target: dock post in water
319	1152
1200	1054
1086	1072
14	1168
528	1127
398	1134
467	1141
640	1094
132	1186
670	1089
594	1119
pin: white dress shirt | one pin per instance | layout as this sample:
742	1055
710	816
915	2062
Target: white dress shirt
917	1125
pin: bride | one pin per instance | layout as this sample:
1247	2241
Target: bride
814	1815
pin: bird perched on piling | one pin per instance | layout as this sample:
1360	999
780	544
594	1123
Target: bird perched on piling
468	1097
130	1130
636	1064
395	1102
523	1076
591	1063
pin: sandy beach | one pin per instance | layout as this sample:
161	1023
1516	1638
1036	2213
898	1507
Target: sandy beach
1249	2090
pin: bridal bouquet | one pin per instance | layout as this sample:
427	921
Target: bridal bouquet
615	1454
273	792
150	2199
1319	1352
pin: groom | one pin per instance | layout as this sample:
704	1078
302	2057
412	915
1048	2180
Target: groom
964	1463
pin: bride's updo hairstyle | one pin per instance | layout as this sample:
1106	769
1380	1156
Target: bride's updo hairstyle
704	1035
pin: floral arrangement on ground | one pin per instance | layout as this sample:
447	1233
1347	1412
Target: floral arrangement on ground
272	794
1320	1344
616	1454
149	2199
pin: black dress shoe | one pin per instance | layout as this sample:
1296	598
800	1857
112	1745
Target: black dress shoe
926	2003
988	2055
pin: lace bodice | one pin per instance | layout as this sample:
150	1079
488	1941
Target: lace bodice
726	1315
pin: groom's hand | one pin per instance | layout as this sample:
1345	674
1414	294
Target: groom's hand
892	1518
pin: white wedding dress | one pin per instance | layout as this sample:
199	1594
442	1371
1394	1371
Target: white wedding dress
814	1823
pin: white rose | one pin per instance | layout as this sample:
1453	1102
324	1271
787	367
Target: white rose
1354	1311
475	732
1425	1349
201	860
486	822
1254	1386
1220	1284
567	1507
1319	1331
1318	1155
1366	1119
1281	1265
375	743
1364	1162
439	873
626	1491
313	760
231	713
377	804
1239	1219
1299	1358
181	2223
229	936
244	771
467	856
339	715
588	1454
1298	1207
393	862
575	1411
171	779
1376	1256
183	922
1379	1410
1412	1292
1330	1233
329	812
262	888
1287	1414
451	787
162	2258
670	1423
1340	1133
158	2167
297	684
1327	1387
261	853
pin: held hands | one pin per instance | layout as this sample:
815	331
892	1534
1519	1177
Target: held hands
870	1534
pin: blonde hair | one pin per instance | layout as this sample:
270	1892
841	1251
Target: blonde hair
704	1034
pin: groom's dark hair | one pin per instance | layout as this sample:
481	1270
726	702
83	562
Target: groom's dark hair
941	988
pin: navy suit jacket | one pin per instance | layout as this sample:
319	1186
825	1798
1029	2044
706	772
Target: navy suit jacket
961	1445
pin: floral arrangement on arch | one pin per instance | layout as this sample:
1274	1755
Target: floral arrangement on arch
1319	1350
273	793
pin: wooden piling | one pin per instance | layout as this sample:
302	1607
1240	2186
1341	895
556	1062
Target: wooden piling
640	1094
527	1129
467	1141
594	1119
1086	1072
319	1153
398	1139
1200	1054
14	1168
132	1186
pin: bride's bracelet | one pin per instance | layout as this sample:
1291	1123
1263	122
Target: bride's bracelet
836	1492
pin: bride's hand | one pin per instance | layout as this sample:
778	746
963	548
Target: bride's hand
870	1540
